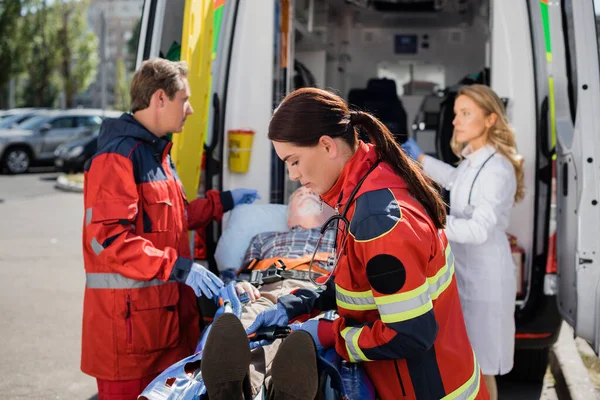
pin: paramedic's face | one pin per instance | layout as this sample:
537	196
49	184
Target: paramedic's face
470	122
310	165
177	110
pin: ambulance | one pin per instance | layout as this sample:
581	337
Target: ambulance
540	56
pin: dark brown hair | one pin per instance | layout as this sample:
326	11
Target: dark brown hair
153	75
309	113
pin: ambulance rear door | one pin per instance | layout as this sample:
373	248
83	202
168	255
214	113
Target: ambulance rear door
574	82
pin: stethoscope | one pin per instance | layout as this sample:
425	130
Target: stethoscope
469	208
334	257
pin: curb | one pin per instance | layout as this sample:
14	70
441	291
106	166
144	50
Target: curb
572	378
63	183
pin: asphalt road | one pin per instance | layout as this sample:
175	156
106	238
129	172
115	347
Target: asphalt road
41	292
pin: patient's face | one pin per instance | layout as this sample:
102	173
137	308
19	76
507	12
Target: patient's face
306	209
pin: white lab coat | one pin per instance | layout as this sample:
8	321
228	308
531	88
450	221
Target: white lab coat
485	271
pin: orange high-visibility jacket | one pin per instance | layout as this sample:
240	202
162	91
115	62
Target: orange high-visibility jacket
137	320
395	292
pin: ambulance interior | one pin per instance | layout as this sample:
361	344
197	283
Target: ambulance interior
408	56
405	60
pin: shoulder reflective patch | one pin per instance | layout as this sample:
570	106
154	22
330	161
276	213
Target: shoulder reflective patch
376	214
386	273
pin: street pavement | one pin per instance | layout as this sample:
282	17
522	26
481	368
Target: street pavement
41	294
41	291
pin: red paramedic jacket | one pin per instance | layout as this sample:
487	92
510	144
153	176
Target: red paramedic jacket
395	292
137	318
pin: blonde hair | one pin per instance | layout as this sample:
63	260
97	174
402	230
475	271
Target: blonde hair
500	135
153	75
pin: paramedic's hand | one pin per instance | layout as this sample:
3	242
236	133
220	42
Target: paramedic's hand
272	316
244	196
412	149
203	281
246	287
321	331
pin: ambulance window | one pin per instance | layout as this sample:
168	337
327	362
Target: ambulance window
413	78
568	27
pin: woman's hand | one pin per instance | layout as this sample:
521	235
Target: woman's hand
247	287
412	149
272	316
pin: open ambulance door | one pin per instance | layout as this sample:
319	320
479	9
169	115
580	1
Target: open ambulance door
190	30
574	81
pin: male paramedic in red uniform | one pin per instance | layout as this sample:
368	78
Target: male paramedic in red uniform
140	313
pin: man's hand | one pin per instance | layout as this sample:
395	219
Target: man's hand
244	196
246	287
203	281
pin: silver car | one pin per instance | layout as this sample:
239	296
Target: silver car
36	139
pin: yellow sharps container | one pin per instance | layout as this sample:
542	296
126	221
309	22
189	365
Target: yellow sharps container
240	148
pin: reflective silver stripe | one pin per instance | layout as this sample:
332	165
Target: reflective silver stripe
359	301
351	335
472	390
404	306
444	279
117	281
469	389
350	343
96	246
88	216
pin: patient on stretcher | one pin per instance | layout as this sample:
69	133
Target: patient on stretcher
291	250
228	367
306	214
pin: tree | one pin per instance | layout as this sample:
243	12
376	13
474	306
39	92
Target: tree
121	87
77	48
40	30
11	44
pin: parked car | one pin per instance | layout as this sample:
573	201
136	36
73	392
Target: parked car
71	156
13	121
35	140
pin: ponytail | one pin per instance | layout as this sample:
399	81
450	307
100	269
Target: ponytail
388	151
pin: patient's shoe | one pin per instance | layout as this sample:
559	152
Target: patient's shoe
294	369
226	360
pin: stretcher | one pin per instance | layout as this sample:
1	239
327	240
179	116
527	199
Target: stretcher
183	380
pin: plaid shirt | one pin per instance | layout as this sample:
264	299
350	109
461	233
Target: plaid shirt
296	243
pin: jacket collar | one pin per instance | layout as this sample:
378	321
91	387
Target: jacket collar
478	157
127	126
354	170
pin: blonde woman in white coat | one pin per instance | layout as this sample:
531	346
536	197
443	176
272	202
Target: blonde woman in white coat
483	189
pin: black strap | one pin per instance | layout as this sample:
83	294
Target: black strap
299	275
273	274
480	168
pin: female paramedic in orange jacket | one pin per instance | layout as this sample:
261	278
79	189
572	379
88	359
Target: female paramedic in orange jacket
393	284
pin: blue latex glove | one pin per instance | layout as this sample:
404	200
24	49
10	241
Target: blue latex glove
311	326
203	281
412	149
244	196
272	316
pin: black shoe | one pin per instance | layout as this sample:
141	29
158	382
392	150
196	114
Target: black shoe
226	360
294	371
